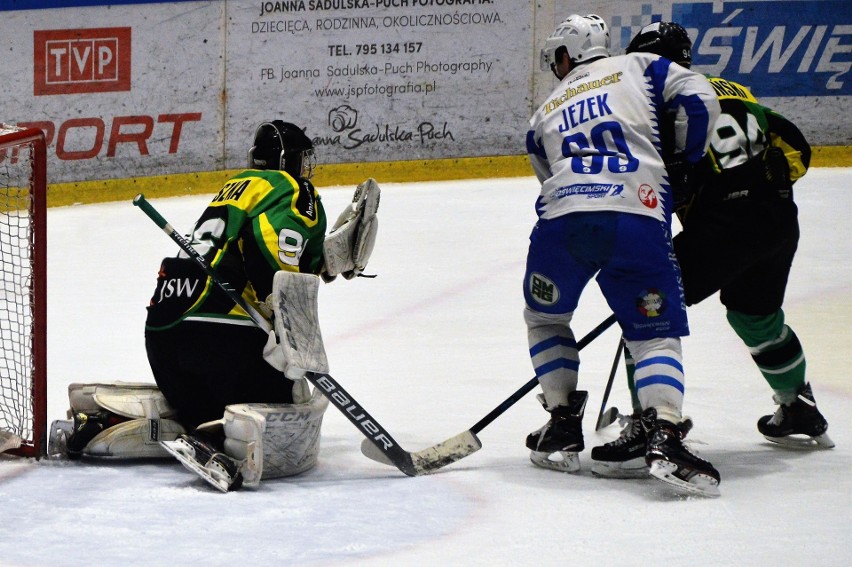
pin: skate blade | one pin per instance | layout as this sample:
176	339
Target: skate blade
803	441
561	461
176	449
634	468
699	485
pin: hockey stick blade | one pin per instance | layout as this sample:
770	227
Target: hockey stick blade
606	418
467	443
432	458
382	445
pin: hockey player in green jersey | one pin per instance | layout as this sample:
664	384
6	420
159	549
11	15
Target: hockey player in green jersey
207	356
740	234
263	220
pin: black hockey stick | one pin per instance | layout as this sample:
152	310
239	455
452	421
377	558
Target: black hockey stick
331	389
605	417
467	443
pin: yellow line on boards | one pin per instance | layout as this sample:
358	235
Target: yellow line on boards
347	174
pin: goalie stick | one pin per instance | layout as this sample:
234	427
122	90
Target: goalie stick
378	436
467	443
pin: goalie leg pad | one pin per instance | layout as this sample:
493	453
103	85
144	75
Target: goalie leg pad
146	421
133	400
300	345
137	438
133	439
274	440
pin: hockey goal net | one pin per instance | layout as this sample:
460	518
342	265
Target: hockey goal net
23	215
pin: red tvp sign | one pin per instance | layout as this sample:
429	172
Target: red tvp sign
92	60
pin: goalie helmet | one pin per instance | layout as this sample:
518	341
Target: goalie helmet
583	37
666	39
283	146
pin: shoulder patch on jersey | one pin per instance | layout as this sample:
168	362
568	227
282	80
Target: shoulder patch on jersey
306	203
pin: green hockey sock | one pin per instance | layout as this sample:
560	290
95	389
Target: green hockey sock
775	349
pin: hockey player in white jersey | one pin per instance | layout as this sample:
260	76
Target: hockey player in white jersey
605	211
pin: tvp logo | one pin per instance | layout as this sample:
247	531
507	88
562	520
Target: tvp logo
81	61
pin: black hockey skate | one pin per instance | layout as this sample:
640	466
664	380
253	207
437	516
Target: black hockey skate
798	424
672	462
202	454
556	445
625	456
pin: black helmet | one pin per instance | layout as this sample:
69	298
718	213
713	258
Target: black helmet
666	39
283	146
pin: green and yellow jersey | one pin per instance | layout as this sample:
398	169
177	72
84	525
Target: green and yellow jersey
746	128
260	222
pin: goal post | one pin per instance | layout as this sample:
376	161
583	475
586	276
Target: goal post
23	291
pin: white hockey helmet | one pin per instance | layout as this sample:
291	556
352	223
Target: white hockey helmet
584	37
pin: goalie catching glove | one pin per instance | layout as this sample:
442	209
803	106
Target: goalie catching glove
348	246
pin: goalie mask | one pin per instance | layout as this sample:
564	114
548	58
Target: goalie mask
666	39
283	146
583	37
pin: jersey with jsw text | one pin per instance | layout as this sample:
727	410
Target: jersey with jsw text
595	144
260	222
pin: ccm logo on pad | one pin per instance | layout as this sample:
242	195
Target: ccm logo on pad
77	61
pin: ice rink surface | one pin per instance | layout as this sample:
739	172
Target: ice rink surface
429	347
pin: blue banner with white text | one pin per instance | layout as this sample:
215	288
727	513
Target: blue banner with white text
777	48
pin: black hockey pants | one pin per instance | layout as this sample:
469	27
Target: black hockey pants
743	247
203	367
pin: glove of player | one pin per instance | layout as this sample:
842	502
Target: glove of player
776	169
679	172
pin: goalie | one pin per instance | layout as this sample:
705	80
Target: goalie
230	401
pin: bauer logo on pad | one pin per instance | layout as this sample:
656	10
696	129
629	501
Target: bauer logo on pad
78	61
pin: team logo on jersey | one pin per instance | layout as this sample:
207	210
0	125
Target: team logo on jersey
648	196
651	302
543	289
